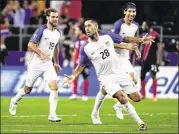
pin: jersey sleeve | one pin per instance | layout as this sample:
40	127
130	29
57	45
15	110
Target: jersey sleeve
38	34
84	60
115	37
117	26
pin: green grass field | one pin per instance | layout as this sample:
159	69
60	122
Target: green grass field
32	113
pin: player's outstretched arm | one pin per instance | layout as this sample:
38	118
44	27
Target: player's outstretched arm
138	53
128	46
69	79
32	46
137	39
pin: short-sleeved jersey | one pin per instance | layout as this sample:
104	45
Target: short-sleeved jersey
46	41
102	55
123	29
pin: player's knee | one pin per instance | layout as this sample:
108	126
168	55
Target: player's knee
53	85
27	90
121	98
135	97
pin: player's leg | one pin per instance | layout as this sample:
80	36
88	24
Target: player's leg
131	72
51	76
144	69
31	77
121	96
153	73
85	75
98	102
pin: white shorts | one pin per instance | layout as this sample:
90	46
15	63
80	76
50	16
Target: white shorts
116	82
127	65
48	72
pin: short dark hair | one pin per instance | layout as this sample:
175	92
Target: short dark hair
94	21
49	10
129	4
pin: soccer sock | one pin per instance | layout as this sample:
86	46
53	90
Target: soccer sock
143	83
131	111
85	87
53	99
19	96
75	84
154	87
98	101
119	104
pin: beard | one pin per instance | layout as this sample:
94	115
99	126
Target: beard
52	24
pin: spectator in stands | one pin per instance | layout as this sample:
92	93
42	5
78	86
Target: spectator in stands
4	23
8	11
19	15
28	12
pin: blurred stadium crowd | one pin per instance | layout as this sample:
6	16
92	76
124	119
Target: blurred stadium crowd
19	19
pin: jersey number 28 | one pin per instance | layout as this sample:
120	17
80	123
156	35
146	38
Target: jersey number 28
105	54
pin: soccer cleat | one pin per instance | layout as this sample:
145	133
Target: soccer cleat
118	110
54	118
12	107
142	127
96	119
73	97
84	98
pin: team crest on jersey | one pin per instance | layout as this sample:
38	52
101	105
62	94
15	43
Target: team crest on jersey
107	43
34	36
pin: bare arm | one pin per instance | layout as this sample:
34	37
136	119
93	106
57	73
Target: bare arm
128	46
138	53
55	55
32	47
77	71
69	79
138	40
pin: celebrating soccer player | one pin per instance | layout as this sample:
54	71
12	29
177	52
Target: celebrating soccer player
44	45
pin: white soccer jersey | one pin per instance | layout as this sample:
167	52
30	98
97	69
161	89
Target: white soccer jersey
102	55
46	41
121	28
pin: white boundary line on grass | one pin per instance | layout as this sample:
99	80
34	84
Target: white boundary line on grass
77	132
73	115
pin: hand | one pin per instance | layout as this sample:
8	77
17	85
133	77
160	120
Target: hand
138	56
147	39
131	46
44	56
68	80
57	68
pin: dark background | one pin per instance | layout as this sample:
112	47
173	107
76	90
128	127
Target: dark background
107	12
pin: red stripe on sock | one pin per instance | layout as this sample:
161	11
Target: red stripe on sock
85	87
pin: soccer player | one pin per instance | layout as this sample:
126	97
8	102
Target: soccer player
44	45
151	59
81	39
112	77
127	28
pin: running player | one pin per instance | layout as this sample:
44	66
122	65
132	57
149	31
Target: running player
44	45
81	39
112	77
127	28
